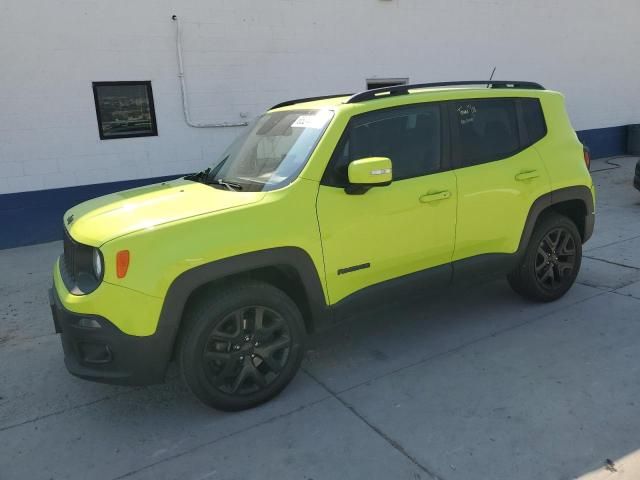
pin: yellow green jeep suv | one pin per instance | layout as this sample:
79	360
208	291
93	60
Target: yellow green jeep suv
321	208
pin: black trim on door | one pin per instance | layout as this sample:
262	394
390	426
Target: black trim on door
408	286
354	268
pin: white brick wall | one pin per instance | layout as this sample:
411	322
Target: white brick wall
245	55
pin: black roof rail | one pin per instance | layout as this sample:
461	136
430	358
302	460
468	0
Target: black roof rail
404	89
309	99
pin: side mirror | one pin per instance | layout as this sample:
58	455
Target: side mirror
369	172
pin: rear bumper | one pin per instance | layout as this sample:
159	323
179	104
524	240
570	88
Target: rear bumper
95	349
588	196
589	224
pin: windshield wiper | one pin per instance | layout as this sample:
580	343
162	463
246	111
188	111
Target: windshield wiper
234	187
199	176
208	177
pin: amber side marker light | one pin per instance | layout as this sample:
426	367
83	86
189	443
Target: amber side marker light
587	157
122	263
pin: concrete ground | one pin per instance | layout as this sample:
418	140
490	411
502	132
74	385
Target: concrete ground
478	384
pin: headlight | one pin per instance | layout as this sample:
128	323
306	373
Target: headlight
97	263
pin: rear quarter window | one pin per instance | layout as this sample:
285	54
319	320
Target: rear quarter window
533	119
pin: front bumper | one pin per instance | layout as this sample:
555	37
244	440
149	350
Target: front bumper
636	178
95	349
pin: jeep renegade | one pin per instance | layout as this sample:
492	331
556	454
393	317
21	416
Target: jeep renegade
322	207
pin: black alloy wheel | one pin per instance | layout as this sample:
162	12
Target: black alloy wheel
247	350
240	344
556	258
551	260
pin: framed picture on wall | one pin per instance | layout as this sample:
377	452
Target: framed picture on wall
124	109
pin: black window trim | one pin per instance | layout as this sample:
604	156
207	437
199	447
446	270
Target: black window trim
445	141
523	134
152	110
526	136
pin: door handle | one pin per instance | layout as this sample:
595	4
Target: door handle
434	197
527	175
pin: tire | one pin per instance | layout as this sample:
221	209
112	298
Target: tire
551	261
241	346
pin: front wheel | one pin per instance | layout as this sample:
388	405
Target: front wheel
551	261
241	346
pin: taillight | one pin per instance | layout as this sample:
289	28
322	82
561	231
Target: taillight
587	156
122	263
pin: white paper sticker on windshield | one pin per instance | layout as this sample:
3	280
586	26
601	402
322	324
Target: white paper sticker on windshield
319	120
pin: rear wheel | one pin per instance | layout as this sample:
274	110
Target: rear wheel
551	261
241	346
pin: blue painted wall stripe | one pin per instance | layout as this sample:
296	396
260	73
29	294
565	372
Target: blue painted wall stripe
28	218
605	142
36	217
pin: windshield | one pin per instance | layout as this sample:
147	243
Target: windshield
272	151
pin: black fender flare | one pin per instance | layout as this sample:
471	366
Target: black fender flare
495	264
189	281
542	203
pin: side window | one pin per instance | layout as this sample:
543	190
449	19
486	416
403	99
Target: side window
409	136
533	119
487	130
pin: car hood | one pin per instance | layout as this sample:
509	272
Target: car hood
104	218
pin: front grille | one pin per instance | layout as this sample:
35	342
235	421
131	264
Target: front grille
76	267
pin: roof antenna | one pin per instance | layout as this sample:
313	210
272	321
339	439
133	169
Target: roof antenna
491	77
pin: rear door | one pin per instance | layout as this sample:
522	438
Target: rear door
498	170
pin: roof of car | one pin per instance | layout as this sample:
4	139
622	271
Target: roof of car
424	89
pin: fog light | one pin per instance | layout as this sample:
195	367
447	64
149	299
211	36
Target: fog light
95	353
88	323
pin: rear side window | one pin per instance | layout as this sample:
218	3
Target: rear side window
485	130
409	136
533	118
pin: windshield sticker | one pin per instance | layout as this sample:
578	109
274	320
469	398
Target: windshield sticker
316	121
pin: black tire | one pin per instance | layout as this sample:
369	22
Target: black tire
257	353
549	266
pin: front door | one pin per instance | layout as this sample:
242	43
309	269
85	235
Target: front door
395	230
